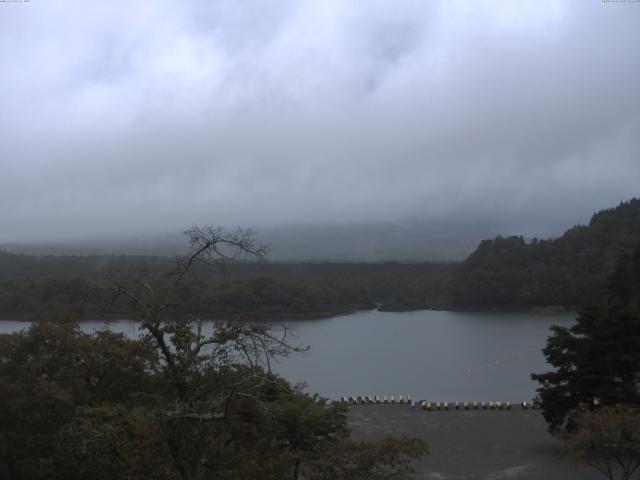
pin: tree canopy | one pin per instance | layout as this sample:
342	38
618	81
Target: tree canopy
597	361
176	403
570	270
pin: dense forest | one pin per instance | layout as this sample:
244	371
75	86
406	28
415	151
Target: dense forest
31	286
507	272
570	270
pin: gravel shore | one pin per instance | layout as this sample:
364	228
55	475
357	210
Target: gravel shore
470	445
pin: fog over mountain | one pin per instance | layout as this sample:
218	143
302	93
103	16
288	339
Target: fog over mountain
409	240
143	118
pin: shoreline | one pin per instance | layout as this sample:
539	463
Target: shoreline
473	445
549	311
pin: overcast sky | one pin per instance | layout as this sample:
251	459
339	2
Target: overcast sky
148	116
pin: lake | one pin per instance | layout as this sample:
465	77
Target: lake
433	355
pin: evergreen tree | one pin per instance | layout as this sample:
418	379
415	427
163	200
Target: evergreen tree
597	360
570	270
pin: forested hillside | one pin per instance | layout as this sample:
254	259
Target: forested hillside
507	272
570	270
32	286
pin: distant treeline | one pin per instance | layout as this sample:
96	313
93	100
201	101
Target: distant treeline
502	273
33	286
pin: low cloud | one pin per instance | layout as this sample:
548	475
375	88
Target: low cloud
153	115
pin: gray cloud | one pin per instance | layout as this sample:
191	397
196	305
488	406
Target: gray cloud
153	115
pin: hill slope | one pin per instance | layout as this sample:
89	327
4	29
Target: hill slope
570	270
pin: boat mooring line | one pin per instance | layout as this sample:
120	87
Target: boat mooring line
437	406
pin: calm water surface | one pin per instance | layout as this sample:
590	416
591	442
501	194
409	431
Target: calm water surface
433	355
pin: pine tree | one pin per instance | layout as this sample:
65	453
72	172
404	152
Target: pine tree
597	361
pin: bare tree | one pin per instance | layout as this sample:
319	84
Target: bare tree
608	440
166	314
197	401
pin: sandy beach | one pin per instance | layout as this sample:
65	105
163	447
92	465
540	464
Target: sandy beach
474	445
